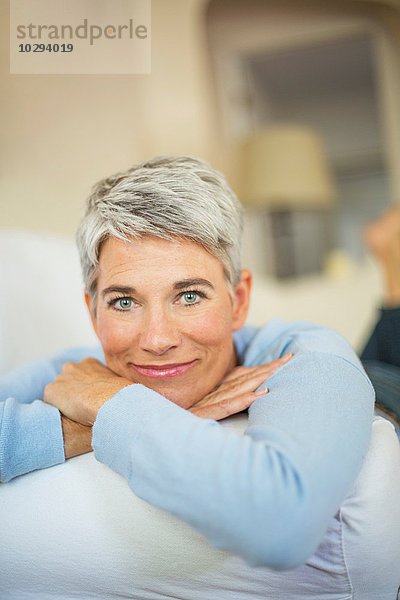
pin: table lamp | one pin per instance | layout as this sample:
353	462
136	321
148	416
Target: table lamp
286	172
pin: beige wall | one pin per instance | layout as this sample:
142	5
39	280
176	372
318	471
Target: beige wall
59	134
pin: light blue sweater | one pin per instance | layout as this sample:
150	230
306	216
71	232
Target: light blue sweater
267	496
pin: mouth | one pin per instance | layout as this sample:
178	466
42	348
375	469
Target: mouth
160	371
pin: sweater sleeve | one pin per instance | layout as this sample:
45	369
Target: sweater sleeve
30	438
30	430
268	495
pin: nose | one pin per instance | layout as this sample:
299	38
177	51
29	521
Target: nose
159	332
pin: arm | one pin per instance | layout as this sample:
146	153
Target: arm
30	438
268	495
77	438
32	434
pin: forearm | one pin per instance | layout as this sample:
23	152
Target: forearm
31	432
30	438
267	496
77	438
239	495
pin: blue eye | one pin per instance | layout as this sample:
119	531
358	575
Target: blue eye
122	303
190	297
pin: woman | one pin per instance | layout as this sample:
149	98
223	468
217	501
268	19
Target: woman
160	250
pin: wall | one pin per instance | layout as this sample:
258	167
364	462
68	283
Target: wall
62	133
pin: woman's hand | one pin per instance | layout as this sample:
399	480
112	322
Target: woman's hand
237	391
82	388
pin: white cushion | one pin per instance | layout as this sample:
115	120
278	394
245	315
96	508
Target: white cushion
42	310
78	531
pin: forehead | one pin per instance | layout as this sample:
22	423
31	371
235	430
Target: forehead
155	256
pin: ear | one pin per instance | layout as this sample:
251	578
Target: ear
241	299
92	310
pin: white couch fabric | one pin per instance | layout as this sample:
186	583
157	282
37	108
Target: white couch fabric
42	308
78	531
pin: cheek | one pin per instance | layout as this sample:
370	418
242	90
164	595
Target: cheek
115	335
213	329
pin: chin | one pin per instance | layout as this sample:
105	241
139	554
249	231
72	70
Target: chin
184	396
180	397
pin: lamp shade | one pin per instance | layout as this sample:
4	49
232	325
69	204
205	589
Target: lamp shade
286	167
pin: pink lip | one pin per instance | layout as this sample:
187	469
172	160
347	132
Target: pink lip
160	371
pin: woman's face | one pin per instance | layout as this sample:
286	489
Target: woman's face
165	317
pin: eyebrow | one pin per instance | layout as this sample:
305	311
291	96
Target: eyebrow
179	285
121	289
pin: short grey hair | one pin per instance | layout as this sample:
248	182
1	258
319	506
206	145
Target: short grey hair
166	197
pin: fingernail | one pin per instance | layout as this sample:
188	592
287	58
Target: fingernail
287	356
262	392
